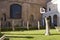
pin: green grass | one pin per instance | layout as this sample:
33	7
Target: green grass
32	35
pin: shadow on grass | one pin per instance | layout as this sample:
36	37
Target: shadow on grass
54	34
23	34
19	37
7	30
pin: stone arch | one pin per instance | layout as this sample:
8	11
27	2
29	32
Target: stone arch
15	11
31	19
55	20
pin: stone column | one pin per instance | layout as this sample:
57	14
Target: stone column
27	25
58	21
47	27
52	20
13	25
23	23
38	25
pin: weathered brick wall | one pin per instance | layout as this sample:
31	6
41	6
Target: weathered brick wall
29	7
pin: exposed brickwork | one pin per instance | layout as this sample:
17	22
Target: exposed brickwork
29	7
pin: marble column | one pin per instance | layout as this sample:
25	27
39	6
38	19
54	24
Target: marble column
27	25
13	28
38	25
52	20
58	21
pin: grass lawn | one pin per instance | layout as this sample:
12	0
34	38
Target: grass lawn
32	35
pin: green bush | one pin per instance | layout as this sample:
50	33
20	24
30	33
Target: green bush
1	34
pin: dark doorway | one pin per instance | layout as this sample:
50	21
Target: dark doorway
15	11
55	20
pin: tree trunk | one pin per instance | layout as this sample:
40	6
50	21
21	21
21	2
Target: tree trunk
47	27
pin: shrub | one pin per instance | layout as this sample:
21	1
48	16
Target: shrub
1	34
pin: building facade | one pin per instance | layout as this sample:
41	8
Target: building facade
53	12
17	11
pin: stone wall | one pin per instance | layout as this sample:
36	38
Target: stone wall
29	7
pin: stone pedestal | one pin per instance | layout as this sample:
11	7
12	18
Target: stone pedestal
13	25
27	25
38	25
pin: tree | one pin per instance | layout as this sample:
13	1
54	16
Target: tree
47	27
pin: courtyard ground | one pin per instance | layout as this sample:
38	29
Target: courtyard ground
32	35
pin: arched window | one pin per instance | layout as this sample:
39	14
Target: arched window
15	11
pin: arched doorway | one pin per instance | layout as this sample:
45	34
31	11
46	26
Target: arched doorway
31	18
55	20
15	11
